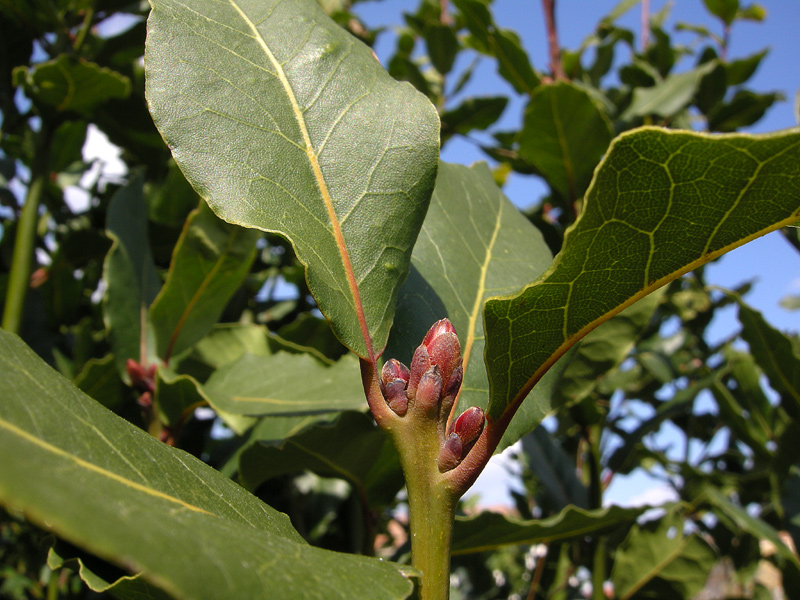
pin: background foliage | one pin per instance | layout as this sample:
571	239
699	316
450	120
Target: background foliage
143	274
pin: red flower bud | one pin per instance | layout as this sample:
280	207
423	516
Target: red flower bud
395	394
142	378
429	390
469	425
394	369
450	456
419	365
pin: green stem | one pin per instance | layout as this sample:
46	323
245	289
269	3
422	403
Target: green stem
19	278
432	500
432	509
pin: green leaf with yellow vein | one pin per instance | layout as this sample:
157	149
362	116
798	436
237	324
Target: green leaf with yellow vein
489	530
150	502
209	262
474	244
270	385
284	122
661	203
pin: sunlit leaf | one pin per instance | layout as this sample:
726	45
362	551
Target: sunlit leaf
284	122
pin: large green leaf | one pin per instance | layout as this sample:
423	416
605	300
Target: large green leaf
490	530
564	136
283	121
286	384
662	203
660	558
150	504
473	245
210	261
130	275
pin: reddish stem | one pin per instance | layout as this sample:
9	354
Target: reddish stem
556	68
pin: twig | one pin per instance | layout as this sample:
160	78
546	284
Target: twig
556	68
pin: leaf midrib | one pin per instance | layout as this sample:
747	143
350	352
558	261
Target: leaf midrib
318	176
25	435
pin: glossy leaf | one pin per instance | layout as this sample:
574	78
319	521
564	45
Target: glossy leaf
150	502
285	384
302	133
350	448
210	261
130	275
69	84
661	204
659	558
564	136
490	530
473	245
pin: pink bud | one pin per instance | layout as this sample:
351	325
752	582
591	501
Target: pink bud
419	365
395	394
437	329
445	351
469	425
429	389
454	383
450	456
394	369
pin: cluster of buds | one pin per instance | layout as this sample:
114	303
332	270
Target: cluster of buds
143	379
430	388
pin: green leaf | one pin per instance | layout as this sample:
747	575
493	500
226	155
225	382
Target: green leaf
69	84
659	555
350	448
668	97
774	353
740	70
555	469
100	380
442	44
604	349
752	12
210	261
284	122
150	502
473	245
661	204
130	275
176	397
490	530
473	113
513	63
564	136
744	109
123	588
285	384
723	9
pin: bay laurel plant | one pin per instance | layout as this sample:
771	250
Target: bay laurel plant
449	310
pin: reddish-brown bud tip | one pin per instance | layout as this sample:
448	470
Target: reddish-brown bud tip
142	378
429	390
395	394
419	365
437	329
469	425
450	455
394	369
453	384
